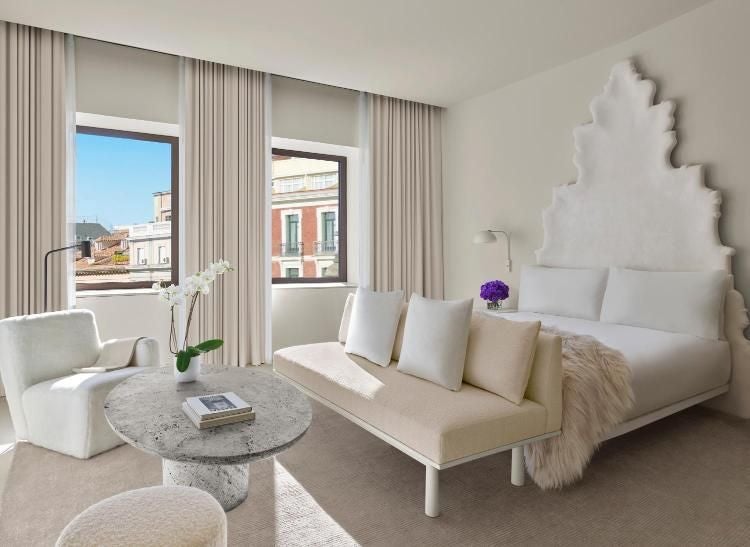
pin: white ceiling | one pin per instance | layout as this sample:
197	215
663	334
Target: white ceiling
433	51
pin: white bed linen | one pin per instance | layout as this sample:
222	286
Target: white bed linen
667	367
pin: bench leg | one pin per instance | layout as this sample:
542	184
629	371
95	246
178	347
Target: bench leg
517	467
431	492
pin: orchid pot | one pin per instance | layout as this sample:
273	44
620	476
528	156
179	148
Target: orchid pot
191	373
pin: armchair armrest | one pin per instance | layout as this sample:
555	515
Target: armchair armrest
146	353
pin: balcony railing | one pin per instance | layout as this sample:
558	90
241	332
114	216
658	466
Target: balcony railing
292	249
326	247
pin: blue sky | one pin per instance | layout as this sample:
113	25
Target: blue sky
115	178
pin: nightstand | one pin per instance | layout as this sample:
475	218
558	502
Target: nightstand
495	312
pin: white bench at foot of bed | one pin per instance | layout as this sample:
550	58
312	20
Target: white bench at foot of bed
437	427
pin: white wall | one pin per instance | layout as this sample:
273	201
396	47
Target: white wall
506	150
305	315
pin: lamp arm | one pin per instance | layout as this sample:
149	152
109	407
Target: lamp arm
508	262
46	256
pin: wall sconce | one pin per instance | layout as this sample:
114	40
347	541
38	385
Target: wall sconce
488	236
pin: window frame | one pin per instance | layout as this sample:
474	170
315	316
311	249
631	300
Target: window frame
341	216
175	197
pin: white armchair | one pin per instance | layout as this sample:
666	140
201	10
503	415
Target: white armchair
50	406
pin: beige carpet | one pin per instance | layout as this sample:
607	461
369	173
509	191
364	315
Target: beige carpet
682	481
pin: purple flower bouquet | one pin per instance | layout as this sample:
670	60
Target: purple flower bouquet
494	292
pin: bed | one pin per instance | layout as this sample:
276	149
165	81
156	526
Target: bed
667	367
631	208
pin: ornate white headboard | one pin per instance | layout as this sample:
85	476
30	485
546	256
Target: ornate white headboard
631	208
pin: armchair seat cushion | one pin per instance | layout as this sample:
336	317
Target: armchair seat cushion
66	414
440	424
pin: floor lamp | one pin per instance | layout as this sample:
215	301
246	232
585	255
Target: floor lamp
85	246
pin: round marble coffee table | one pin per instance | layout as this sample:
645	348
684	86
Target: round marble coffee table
145	410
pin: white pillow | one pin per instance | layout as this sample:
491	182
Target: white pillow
686	302
562	291
435	338
373	324
347	316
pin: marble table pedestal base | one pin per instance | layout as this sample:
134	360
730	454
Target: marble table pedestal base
227	483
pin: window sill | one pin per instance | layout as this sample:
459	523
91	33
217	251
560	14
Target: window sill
114	292
283	286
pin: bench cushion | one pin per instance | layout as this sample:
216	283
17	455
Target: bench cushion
440	424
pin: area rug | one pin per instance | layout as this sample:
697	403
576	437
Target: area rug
682	481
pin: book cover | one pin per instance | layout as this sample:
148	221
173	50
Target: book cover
217	405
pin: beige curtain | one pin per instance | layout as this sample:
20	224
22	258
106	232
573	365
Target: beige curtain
406	188
225	204
32	167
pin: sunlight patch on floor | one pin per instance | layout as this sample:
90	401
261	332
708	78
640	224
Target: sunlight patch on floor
298	515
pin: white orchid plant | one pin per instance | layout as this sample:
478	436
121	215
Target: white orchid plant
188	292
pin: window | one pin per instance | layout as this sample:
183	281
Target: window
308	217
126	183
328	241
326	180
292	245
290	184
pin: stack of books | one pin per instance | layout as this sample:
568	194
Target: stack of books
217	409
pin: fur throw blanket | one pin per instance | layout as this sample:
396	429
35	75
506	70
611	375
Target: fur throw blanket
596	395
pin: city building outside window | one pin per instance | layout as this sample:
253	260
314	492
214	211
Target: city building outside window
292	236
126	183
308	217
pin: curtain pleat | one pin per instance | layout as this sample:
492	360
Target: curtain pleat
225	197
406	206
32	166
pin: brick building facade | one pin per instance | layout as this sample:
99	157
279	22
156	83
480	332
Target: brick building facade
304	218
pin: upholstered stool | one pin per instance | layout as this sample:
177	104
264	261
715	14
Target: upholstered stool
158	516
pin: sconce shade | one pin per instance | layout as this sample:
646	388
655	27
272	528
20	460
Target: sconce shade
484	236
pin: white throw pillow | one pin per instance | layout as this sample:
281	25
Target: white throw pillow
346	318
373	324
685	302
562	291
435	338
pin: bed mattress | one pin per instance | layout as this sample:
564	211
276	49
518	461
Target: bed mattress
667	367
